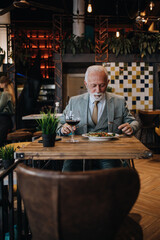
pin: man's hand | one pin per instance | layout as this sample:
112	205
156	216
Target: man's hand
66	129
126	128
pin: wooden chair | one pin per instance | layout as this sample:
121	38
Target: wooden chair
87	205
18	135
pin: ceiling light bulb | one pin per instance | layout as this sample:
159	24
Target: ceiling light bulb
89	8
151	5
117	34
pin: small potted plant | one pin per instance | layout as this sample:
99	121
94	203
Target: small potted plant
7	156
48	125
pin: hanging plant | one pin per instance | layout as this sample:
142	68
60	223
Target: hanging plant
2	56
148	43
141	43
119	46
76	44
69	45
84	45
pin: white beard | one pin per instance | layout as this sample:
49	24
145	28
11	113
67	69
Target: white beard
97	96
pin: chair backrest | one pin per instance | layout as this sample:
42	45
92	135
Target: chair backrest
87	205
148	120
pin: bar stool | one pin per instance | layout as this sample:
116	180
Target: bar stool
36	135
19	135
147	132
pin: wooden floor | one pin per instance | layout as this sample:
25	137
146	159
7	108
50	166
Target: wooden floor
146	210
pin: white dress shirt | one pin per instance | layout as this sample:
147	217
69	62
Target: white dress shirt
100	105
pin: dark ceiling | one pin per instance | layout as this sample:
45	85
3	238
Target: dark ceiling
100	7
127	9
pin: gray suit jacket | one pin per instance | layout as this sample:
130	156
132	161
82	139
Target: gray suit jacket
115	113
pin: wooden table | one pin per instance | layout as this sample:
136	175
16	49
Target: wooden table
150	112
122	148
148	117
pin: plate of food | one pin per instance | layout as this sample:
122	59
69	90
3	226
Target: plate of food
100	136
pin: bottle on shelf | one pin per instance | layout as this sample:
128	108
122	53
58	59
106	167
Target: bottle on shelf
57	108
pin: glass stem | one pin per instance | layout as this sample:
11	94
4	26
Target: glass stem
72	137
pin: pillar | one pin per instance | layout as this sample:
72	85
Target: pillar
78	17
4	21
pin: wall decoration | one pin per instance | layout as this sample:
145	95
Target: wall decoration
134	81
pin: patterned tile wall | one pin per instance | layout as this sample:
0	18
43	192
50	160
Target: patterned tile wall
133	80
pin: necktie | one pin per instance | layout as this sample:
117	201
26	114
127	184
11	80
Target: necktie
95	112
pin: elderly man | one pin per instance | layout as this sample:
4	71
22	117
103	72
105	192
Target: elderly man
99	111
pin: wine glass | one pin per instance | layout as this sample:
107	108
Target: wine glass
72	119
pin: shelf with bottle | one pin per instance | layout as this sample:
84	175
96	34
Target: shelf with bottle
46	98
42	40
37	43
41	37
39	33
47	92
42	46
44	55
47	73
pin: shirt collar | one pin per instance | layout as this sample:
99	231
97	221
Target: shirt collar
91	99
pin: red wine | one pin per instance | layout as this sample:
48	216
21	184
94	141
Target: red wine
72	122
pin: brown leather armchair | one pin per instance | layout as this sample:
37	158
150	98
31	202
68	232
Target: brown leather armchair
87	205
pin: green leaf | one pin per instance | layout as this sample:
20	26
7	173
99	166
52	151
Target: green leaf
149	50
7	152
48	123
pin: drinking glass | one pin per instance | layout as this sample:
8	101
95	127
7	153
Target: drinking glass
72	119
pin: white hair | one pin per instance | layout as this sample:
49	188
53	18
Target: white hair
95	68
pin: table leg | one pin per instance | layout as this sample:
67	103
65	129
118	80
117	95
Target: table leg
84	164
132	161
129	162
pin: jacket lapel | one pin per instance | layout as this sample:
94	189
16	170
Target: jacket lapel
84	112
110	111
